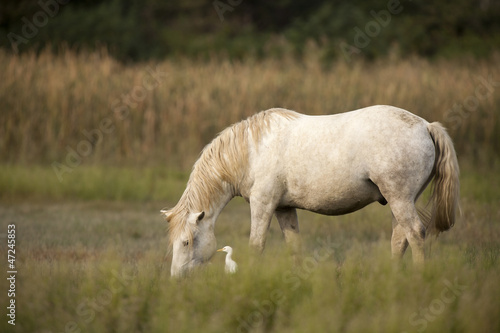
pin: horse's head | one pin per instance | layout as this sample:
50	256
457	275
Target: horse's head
192	239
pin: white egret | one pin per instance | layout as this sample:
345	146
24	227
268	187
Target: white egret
231	265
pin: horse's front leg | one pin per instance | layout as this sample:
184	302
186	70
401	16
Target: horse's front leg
289	224
261	214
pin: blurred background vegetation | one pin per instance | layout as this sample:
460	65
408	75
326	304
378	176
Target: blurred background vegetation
149	83
152	29
105	106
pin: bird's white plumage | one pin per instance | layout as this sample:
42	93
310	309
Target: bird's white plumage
231	265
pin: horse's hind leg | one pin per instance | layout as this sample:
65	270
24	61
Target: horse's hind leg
289	224
399	243
409	224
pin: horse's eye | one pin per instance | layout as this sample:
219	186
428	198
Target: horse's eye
185	243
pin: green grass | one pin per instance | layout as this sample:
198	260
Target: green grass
102	265
91	183
97	182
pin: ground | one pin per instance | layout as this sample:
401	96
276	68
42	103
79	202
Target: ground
103	266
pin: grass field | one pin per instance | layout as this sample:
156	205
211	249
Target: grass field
92	149
103	266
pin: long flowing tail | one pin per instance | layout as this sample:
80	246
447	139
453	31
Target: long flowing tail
446	186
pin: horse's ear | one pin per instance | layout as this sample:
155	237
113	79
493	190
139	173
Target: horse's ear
167	213
195	218
200	217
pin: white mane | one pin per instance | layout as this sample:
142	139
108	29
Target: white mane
222	163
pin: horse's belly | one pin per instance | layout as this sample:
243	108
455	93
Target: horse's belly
338	208
344	198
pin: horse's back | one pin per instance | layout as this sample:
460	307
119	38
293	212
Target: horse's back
357	139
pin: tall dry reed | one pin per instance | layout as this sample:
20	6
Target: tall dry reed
54	107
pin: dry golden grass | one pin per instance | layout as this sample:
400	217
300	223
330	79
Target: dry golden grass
49	102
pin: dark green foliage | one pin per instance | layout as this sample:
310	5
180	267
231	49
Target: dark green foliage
139	30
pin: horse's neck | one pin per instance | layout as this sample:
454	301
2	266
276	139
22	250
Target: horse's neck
211	202
218	202
212	184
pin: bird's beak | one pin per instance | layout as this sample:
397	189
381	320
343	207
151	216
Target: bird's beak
219	250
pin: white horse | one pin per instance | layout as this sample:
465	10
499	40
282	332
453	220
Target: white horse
280	160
